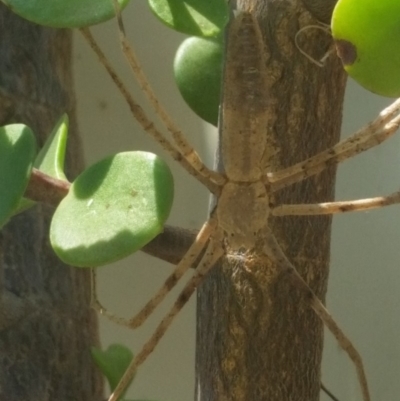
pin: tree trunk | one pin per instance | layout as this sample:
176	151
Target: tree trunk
46	324
256	339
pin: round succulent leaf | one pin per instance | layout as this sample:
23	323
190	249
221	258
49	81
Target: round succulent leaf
198	74
17	151
50	159
366	36
113	209
193	17
65	13
112	362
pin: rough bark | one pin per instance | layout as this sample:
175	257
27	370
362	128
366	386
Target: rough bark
320	9
46	325
256	339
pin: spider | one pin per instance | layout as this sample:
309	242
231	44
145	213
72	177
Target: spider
245	184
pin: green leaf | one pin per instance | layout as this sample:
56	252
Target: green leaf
64	13
198	74
112	362
112	209
50	159
17	151
193	17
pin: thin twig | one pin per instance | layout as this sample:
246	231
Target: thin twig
172	244
46	189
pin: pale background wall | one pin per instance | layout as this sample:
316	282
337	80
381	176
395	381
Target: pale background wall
365	274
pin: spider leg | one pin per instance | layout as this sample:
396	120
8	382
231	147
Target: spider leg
382	128
274	251
147	125
211	256
328	392
183	266
336	207
180	140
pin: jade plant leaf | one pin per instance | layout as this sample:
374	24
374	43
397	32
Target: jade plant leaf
193	17
17	152
50	159
113	209
198	74
112	362
64	13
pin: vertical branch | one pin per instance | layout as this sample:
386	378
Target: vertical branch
46	325
255	341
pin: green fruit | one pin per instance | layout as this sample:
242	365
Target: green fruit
367	34
198	72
